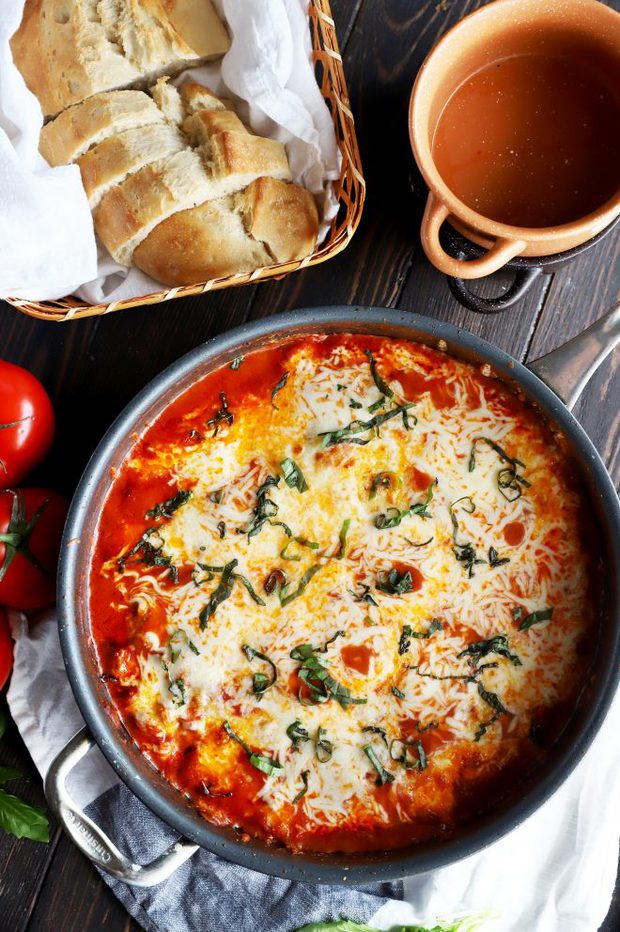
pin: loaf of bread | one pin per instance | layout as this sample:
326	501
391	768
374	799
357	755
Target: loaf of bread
68	50
271	221
177	184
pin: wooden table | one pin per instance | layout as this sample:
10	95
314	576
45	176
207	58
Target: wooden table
92	368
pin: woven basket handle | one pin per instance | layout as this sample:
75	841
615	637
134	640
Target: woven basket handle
502	251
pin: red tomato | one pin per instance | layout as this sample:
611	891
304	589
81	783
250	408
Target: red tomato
26	423
31	524
6	649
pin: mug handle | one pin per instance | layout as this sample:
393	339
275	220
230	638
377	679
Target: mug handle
501	252
523	281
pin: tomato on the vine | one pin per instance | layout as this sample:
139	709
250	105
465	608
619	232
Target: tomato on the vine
26	423
6	649
31	525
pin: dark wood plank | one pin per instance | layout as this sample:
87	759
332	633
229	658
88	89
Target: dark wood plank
23	864
74	898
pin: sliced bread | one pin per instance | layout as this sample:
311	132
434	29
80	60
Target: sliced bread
128	212
168	99
246	157
202	126
65	54
199	25
196	97
282	216
118	157
84	125
197	245
68	50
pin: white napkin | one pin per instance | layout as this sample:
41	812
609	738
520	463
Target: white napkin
47	241
555	873
47	246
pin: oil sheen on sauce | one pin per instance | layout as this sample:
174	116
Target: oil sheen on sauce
531	141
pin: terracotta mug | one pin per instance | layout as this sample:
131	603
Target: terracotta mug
500	29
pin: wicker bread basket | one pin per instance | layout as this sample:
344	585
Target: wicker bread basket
350	192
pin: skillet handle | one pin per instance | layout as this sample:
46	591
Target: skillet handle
90	839
568	369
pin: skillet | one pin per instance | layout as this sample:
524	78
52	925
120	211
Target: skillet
552	384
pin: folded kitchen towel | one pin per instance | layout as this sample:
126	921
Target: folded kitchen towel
555	873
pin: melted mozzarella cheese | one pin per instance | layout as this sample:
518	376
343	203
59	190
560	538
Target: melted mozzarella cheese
202	677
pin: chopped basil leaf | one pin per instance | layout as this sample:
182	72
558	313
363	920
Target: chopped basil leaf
379	403
392	582
177	691
348	434
398	692
393	516
149	550
286	597
509	481
178	640
344	530
314	674
322	747
465	553
382	385
403	751
266	509
265	764
495	645
384	480
354	404
376	730
277	388
363	595
249	588
221	526
223	414
293	475
495	559
304	789
167	509
221	593
298	734
405	639
260	682
534	618
303	542
499	709
384	776
216	496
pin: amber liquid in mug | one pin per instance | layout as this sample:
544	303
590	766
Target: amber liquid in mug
530	141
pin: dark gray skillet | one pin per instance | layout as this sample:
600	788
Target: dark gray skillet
566	371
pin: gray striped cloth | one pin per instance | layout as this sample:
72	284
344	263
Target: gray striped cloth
207	894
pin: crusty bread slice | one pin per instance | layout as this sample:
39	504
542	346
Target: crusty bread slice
141	28
65	54
200	127
118	157
168	99
200	244
84	125
199	25
197	97
68	50
128	212
282	216
242	154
